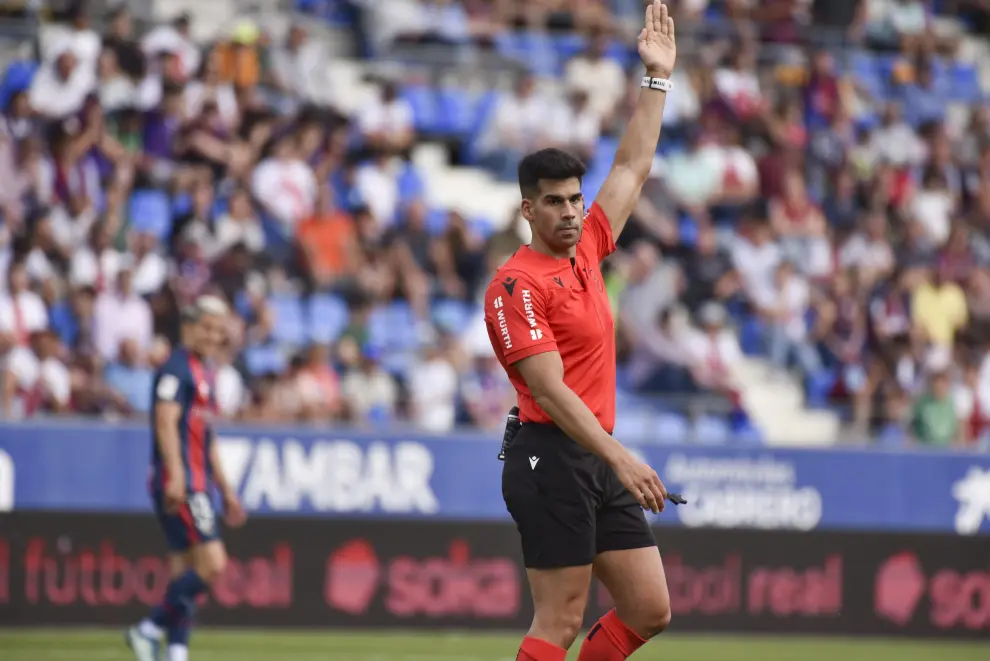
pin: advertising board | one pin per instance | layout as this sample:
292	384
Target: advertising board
103	569
335	473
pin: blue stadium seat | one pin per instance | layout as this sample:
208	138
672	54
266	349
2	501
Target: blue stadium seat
457	111
399	363
483	225
593	182
328	317
451	315
290	322
536	51
437	221
817	388
635	424
392	327
264	359
871	74
748	435
484	110
150	211
568	45
16	78
411	186
605	151
219	208
711	430
670	429
688	230
751	337
278	244
181	205
621	53
426	113
242	304
963	81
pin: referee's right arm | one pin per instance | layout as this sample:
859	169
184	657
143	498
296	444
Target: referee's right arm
520	330
544	375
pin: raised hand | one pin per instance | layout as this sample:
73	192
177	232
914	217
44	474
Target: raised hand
657	46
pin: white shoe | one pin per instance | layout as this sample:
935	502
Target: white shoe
144	648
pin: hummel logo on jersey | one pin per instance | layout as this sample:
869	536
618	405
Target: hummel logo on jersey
560	283
533	461
509	284
536	334
498	302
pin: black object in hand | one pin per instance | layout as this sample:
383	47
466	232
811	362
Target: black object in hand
676	498
512	427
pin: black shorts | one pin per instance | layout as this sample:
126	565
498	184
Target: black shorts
567	503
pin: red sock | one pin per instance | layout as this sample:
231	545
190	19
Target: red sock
610	640
534	649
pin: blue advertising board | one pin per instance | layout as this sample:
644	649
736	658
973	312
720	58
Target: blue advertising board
88	466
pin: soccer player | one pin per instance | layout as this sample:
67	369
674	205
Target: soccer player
184	468
576	494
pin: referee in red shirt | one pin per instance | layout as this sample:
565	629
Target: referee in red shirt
576	494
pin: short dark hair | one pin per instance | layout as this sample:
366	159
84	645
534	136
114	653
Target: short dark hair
551	164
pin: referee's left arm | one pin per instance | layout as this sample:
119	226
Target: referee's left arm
638	147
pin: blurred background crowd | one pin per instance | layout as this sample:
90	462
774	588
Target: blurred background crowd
810	259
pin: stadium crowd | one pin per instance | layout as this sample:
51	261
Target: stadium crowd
829	209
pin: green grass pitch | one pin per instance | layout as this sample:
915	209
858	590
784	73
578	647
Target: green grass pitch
79	645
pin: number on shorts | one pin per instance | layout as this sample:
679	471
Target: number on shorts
202	513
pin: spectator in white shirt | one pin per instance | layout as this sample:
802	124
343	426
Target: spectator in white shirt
210	89
369	391
756	258
175	38
35	378
61	86
971	398
117	91
285	185
77	37
121	315
22	312
933	206
151	270
386	123
519	125
598	76
299	68
95	264
433	391
894	141
230	393
714	352
738	84
868	250
576	127
683	104
377	186
240	225
788	330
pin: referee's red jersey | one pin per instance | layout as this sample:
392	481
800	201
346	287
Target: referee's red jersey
537	303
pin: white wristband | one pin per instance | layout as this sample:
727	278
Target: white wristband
662	84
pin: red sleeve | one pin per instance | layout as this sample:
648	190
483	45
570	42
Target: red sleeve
598	232
516	315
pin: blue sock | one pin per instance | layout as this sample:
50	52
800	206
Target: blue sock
178	633
180	600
